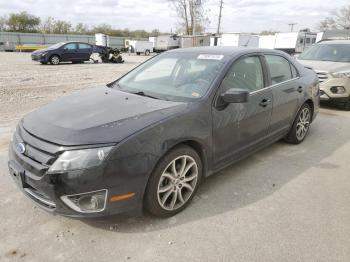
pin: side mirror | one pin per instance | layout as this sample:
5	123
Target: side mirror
234	95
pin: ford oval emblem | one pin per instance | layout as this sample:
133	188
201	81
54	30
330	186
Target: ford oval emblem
21	148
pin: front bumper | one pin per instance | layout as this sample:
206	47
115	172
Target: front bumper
47	189
39	58
326	93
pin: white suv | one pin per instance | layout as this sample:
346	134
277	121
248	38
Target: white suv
331	61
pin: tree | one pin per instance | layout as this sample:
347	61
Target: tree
341	20
343	17
191	13
61	27
47	27
268	32
3	23
81	28
23	22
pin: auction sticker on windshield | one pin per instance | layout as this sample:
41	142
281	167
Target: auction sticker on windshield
210	57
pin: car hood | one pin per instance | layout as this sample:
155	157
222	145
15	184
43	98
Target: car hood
97	115
38	52
325	66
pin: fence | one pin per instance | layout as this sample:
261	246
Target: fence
9	40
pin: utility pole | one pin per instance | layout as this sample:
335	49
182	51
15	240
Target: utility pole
219	22
292	26
197	3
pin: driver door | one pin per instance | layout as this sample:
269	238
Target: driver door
237	128
70	52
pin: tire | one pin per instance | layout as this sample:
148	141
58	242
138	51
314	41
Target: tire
55	60
147	52
301	125
177	192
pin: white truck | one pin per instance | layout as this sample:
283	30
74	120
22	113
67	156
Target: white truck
166	42
143	47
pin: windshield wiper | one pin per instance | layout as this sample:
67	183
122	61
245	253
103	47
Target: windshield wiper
141	93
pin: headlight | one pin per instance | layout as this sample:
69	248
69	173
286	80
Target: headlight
44	54
80	159
342	74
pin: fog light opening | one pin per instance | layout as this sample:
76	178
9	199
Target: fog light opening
90	202
337	89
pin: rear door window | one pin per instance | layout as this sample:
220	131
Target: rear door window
84	46
280	69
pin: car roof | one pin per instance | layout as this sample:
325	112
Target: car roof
225	50
337	42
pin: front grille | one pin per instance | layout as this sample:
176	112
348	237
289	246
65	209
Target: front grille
39	154
322	76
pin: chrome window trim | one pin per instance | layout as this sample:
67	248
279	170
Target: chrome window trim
273	86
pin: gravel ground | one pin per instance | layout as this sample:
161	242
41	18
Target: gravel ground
285	203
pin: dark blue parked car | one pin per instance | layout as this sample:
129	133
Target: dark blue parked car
64	52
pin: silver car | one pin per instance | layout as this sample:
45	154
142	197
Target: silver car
331	61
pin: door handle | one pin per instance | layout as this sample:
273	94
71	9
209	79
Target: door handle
300	89
265	102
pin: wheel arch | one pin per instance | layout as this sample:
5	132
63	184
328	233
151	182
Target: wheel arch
192	143
55	55
312	106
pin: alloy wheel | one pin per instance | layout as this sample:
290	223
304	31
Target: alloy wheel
177	182
303	123
55	60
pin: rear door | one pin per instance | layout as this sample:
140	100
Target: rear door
238	127
84	51
70	52
287	90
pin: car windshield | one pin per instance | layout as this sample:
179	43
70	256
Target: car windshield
173	76
327	52
56	45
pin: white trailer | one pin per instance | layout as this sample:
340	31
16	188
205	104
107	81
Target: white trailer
143	47
239	39
102	39
193	41
294	42
166	42
152	39
336	34
267	41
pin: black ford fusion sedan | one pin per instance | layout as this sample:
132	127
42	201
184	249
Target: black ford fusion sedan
147	139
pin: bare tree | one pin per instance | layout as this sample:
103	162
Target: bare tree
327	24
341	20
47	27
3	22
191	14
343	17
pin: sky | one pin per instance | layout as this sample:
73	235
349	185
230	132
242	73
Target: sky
237	16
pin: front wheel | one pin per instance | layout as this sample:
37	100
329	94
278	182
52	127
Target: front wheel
174	182
300	126
54	60
147	52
